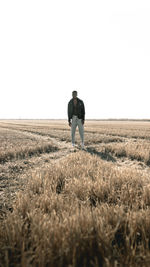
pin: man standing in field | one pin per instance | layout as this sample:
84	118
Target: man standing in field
76	116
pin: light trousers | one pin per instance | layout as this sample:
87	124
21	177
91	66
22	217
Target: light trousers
77	122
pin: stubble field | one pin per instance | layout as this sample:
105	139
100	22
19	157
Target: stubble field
70	207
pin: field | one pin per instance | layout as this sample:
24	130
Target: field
61	206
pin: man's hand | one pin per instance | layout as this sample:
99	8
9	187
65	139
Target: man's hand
82	122
70	123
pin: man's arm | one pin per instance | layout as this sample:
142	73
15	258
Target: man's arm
69	119
83	112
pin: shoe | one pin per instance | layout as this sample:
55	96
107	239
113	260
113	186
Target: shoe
82	146
73	145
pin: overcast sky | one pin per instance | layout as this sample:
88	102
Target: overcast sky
50	48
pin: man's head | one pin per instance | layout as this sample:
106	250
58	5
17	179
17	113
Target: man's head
74	94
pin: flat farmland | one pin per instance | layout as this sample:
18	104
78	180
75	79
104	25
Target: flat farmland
61	206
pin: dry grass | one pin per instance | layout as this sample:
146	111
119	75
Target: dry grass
82	210
131	129
99	216
16	145
139	150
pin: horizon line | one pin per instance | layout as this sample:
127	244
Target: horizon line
93	119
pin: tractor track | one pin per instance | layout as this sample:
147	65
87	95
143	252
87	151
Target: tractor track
15	173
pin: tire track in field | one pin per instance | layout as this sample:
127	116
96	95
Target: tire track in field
15	172
59	147
120	162
65	147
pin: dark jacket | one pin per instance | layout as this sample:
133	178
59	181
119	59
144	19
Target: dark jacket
80	109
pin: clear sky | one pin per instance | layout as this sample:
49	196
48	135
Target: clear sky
48	48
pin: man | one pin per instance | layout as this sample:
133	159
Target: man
76	116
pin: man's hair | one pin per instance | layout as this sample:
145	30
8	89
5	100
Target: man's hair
75	92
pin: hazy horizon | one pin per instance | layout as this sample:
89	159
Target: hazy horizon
87	119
